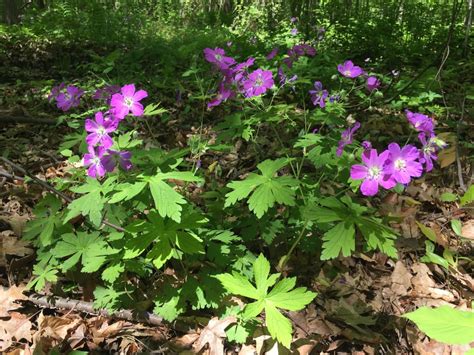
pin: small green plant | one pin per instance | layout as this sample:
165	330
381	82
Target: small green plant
283	295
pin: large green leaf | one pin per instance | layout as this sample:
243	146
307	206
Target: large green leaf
340	238
264	190
445	324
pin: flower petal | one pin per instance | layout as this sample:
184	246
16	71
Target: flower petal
358	172
369	187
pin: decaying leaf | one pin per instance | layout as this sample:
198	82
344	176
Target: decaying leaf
214	334
16	328
11	245
8	298
467	230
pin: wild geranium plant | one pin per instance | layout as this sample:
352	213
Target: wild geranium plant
144	224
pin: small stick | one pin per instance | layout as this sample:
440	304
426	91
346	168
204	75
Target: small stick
10	176
54	190
88	307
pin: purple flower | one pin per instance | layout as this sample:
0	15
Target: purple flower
127	101
229	43
304	50
70	98
217	57
373	172
349	70
55	91
294	31
346	138
98	163
222	95
366	145
122	158
258	82
272	54
239	72
106	92
293	19
420	122
318	96
428	151
99	130
372	83
403	163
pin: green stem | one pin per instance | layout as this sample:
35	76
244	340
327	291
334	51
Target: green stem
284	260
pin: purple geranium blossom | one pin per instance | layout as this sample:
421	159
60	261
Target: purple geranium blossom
222	95
304	50
373	172
70	98
294	31
258	82
366	145
97	162
349	70
372	83
99	130
403	163
127	101
106	92
428	151
122	158
346	138
55	91
217	57
420	122
272	54
318	96
293	19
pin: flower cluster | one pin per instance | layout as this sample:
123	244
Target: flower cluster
319	96
396	164
101	158
66	97
236	77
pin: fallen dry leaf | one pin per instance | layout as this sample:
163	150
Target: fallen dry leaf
17	327
11	245
8	297
467	230
401	279
213	334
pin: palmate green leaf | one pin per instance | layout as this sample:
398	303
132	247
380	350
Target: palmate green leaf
165	237
340	238
127	191
281	296
445	324
308	140
278	325
169	202
238	285
43	274
292	300
264	190
92	202
377	235
468	196
91	249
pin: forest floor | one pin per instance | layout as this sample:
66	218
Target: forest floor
359	301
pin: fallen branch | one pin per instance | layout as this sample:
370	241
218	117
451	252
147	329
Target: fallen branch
52	189
88	307
25	119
